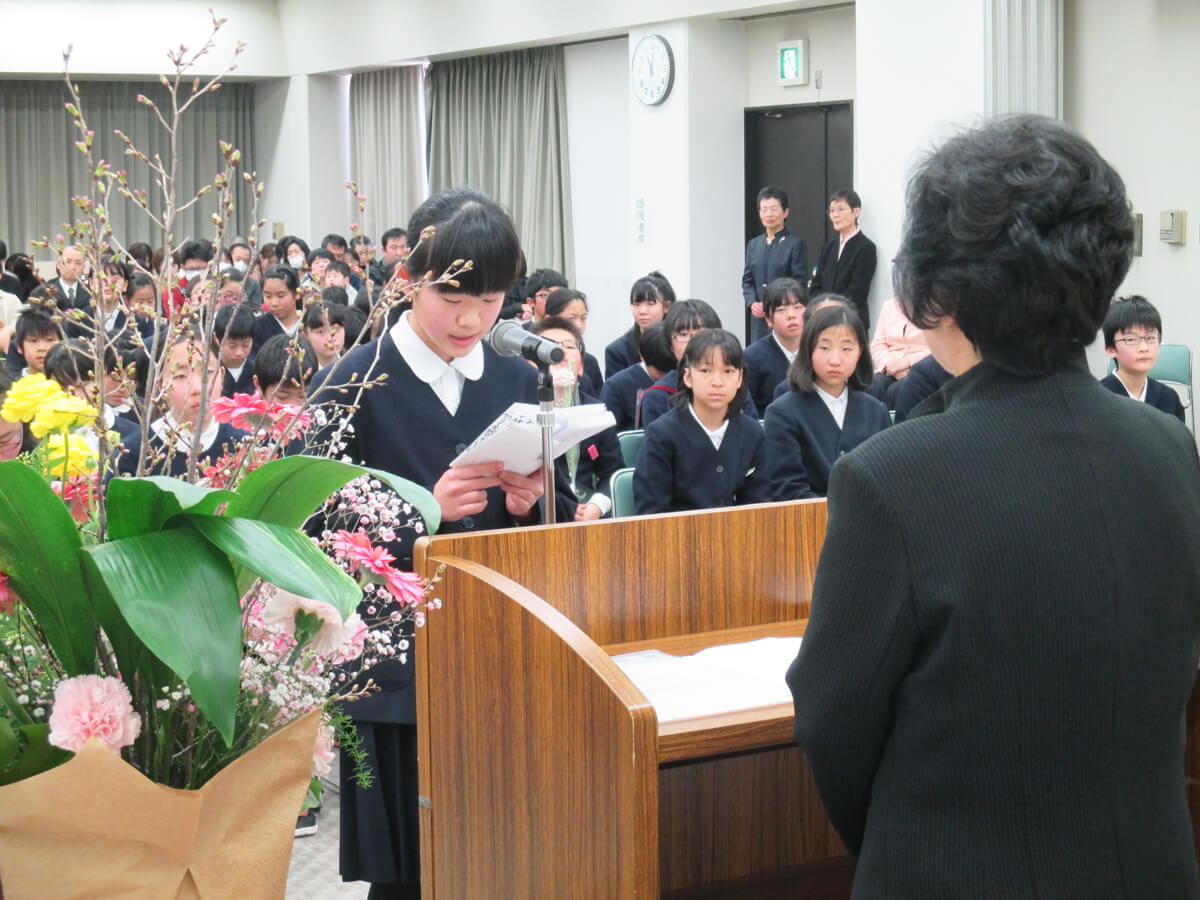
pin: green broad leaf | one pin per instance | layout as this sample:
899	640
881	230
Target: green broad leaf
143	505
39	552
177	593
282	556
10	745
34	755
286	491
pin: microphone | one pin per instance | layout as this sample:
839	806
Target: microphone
508	338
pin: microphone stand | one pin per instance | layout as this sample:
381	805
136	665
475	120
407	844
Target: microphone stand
545	419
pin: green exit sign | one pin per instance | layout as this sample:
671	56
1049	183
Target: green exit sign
792	62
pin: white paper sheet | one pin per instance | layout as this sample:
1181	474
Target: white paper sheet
721	679
516	440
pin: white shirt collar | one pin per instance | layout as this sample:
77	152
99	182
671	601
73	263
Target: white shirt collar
235	373
289	331
110	321
789	354
1140	396
836	405
715	436
445	378
167	428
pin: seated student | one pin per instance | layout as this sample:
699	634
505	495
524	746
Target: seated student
282	369
233	333
826	412
72	364
35	333
355	329
324	326
702	454
768	358
622	393
338	274
897	345
1132	331
281	305
140	298
537	290
684	319
177	400
573	306
649	298
818	302
318	265
588	466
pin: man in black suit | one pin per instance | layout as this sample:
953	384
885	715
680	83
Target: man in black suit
993	700
847	263
776	253
69	283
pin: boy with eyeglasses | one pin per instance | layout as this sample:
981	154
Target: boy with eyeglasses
1132	331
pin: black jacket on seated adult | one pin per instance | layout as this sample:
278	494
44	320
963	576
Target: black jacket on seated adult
1158	395
849	275
1004	637
82	299
678	467
804	441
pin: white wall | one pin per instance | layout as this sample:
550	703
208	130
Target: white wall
1129	76
830	35
131	37
597	77
280	132
919	78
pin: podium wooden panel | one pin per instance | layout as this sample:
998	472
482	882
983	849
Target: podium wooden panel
544	772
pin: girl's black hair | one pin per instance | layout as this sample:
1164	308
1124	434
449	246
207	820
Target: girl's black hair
559	299
321	313
467	225
283	358
71	362
652	287
779	291
821	301
800	372
234	321
136	282
702	345
287	275
686	315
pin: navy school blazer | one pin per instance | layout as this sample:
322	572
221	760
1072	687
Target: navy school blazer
243	384
804	441
678	468
658	401
1158	395
766	367
622	353
620	395
227	438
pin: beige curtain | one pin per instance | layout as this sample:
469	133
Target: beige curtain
388	146
499	123
41	169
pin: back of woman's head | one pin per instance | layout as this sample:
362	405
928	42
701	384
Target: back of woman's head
468	226
1021	232
831	315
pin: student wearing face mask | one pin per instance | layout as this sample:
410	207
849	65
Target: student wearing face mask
293	251
241	256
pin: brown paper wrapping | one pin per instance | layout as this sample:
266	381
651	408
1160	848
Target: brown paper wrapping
95	827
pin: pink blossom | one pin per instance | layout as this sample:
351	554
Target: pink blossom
235	410
92	706
323	753
281	611
8	597
356	547
287	419
407	587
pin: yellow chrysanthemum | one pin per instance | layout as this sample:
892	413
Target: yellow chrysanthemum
67	455
28	395
64	411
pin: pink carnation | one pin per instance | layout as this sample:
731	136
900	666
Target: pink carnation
323	752
407	587
281	611
91	706
235	410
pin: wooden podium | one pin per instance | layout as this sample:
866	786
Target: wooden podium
544	771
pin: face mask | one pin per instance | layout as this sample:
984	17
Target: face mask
296	262
241	265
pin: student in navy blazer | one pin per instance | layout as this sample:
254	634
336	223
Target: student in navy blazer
847	262
623	393
281	305
703	454
650	298
768	358
804	436
1132	331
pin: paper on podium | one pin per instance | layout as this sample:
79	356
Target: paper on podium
516	440
726	678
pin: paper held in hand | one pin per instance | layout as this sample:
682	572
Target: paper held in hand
516	440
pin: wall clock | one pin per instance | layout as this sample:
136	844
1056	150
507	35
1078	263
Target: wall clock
653	71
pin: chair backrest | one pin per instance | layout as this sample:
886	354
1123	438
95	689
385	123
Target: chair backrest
631	442
621	491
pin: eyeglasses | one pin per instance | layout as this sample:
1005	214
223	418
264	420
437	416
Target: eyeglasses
568	345
1150	340
682	337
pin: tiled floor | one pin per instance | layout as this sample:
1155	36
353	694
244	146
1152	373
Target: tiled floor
314	870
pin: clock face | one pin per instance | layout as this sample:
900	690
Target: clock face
653	70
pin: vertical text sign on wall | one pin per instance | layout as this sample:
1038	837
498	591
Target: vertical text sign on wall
791	63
